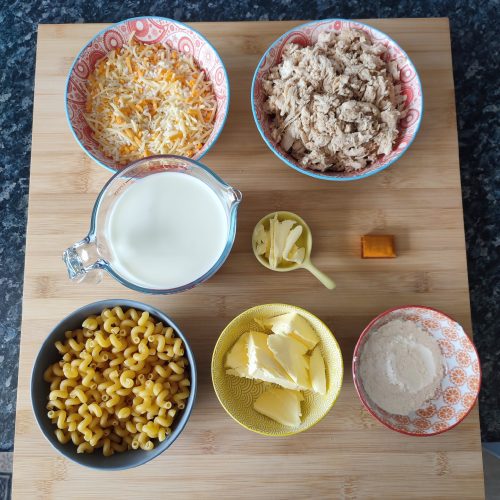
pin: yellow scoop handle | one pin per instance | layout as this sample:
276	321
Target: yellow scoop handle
326	280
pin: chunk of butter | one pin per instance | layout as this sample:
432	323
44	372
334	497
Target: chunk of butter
237	358
282	405
290	353
262	364
317	371
262	241
292	252
279	235
295	325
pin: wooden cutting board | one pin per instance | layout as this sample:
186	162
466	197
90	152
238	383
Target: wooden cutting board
348	454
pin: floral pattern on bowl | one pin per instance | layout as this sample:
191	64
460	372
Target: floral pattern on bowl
147	30
307	34
459	388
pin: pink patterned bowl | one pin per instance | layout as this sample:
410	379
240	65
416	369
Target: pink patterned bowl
307	34
148	30
459	388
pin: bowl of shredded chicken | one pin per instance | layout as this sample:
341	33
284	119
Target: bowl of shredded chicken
143	87
337	100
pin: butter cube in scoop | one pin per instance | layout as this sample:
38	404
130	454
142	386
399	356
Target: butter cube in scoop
292	252
262	241
282	405
279	232
295	325
290	353
317	371
278	244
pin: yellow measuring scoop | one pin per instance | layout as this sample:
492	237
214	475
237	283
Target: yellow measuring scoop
305	241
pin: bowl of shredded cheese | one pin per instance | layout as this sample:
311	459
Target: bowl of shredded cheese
146	86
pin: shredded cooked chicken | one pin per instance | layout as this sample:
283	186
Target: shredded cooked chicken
335	105
149	99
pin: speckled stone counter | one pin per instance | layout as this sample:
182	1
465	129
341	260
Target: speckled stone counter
474	42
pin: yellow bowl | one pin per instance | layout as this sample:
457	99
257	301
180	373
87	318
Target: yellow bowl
238	394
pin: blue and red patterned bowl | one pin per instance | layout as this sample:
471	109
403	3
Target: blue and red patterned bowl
148	30
307	34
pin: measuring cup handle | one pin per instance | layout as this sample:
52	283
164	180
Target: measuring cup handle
326	280
81	258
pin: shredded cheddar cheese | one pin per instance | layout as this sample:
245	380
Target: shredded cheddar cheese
149	99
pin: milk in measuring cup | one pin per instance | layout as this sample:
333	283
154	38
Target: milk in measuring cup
166	230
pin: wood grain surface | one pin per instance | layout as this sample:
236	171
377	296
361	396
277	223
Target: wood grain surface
418	199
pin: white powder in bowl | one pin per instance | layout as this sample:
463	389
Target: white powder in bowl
400	367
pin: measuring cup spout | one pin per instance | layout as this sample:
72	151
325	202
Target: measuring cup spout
82	258
233	196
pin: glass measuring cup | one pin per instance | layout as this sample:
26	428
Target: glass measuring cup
92	255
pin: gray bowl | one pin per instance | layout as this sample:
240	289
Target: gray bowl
48	354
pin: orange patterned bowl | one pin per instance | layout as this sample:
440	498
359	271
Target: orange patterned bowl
459	388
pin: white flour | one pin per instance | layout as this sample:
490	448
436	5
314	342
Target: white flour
401	367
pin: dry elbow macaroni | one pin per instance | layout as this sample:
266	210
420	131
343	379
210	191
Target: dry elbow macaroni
120	382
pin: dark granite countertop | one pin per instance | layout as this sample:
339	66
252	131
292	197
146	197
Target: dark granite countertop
475	44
